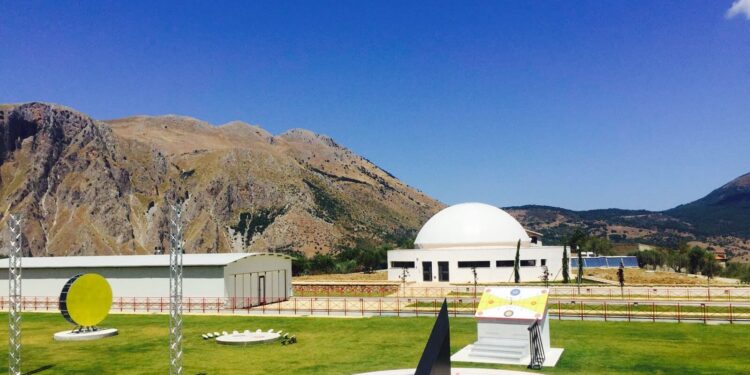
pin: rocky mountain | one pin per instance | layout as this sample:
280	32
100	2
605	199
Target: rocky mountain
105	187
725	211
720	220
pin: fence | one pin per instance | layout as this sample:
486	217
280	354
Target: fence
719	293
642	310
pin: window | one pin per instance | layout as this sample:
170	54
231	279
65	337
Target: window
544	262
528	263
477	264
504	263
402	264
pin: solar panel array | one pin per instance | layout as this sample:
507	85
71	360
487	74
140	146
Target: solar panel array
606	262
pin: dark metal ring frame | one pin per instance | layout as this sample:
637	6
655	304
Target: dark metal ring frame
64	299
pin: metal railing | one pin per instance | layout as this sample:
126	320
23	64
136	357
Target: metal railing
536	346
581	309
661	293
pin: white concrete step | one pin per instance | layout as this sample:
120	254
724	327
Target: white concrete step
498	352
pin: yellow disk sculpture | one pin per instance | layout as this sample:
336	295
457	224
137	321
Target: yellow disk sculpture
85	300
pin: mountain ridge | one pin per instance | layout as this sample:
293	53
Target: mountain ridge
104	187
720	220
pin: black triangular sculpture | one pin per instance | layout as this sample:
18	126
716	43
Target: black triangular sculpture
436	358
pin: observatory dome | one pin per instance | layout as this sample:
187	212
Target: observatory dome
469	225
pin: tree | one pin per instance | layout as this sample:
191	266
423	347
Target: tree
696	259
347	266
545	276
677	260
651	258
372	259
300	263
474	273
516	270
597	245
621	278
579	277
322	263
710	267
576	239
565	265
403	277
737	270
683	247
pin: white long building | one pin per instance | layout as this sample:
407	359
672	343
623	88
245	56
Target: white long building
247	279
474	236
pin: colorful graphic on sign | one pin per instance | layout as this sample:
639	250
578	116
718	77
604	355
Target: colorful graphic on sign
513	303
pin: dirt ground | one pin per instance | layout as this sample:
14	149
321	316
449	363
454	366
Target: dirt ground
640	276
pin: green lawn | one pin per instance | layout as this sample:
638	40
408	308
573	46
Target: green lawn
345	346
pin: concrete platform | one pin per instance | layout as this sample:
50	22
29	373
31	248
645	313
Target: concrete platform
248	338
455	371
465	355
85	336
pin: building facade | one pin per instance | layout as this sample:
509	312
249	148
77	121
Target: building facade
243	279
474	237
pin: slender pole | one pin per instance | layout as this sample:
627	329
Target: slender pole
14	296
175	290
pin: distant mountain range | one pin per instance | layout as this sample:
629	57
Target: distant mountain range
104	187
719	220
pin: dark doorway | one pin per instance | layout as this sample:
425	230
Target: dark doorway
443	274
262	290
426	271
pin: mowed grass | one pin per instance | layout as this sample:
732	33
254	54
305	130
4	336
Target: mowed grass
348	345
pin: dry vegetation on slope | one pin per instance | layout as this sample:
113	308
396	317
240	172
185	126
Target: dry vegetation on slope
91	187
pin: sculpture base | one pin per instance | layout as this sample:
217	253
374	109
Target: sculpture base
248	338
468	354
454	371
72	335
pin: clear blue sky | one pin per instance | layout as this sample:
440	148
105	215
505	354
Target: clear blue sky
630	104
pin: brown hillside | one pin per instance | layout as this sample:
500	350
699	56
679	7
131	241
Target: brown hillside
92	187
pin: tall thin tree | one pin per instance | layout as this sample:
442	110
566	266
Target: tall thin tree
579	277
403	277
474	300
621	278
565	265
516	271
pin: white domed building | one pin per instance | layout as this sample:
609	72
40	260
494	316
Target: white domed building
474	236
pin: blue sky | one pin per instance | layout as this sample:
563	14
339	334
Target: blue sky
586	104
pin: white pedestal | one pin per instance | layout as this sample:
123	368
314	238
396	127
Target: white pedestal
85	336
503	319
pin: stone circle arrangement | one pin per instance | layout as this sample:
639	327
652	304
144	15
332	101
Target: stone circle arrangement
248	337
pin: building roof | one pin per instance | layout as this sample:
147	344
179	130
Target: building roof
188	260
470	225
